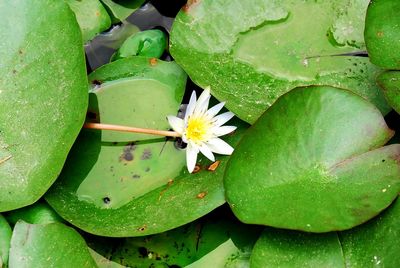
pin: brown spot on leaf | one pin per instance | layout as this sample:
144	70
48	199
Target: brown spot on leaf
142	228
153	61
379	34
136	176
189	4
196	169
97	13
213	166
201	195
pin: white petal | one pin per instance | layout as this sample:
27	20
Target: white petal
219	146
176	123
221	119
220	131
202	102
191	156
207	152
215	109
191	105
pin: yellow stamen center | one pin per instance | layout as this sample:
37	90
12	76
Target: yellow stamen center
197	129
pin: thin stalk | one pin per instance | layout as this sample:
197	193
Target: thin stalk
131	129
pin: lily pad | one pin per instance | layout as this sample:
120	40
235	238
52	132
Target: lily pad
216	240
382	33
43	90
252	52
38	213
5	239
121	9
92	17
389	81
313	162
133	184
282	248
375	243
49	245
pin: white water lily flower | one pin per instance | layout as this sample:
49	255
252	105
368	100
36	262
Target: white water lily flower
201	128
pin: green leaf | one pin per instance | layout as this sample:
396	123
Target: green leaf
5	239
281	248
43	90
389	81
252	52
312	162
150	43
134	184
121	9
375	243
49	245
216	240
152	90
38	213
92	17
382	33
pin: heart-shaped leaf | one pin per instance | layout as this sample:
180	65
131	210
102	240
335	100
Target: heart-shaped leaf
282	248
375	243
134	185
43	96
312	162
92	17
252	52
382	33
5	239
48	245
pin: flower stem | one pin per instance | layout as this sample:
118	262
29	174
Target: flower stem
131	129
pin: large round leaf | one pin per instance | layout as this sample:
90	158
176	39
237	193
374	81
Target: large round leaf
43	89
390	83
382	33
251	52
133	184
48	245
282	248
375	243
312	162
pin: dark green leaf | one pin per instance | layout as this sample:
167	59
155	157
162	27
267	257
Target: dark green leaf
312	162
49	245
252	52
382	33
43	89
280	248
5	239
376	243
